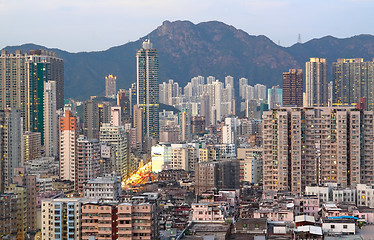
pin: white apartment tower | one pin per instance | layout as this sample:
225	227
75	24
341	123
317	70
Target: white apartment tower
67	141
50	119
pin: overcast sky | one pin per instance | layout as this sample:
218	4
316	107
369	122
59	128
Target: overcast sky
93	25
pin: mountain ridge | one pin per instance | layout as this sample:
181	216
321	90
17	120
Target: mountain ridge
208	48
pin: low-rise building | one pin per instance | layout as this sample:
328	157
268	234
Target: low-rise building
104	189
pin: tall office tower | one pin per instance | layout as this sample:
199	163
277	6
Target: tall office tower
22	77
31	146
316	84
110	86
21	178
118	138
352	80
293	88
316	146
230	131
116	116
123	101
87	159
62	218
243	83
184	121
91	124
68	136
147	90
10	145
260	92
275	94
50	120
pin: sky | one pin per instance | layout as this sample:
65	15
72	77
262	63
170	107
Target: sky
95	25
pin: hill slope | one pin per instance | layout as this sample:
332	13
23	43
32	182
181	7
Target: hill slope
209	48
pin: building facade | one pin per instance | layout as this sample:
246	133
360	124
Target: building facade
316	83
293	88
68	137
110	86
148	89
307	146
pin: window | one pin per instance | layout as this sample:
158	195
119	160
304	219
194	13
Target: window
345	226
332	226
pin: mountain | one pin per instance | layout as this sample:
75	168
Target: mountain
209	48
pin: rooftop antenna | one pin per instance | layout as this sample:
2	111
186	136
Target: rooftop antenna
299	38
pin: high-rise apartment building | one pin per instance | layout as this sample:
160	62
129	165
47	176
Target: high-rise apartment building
110	86
50	120
293	88
116	116
28	182
31	146
230	131
353	79
184	121
243	83
216	175
118	138
205	108
8	215
68	136
87	159
61	218
316	83
22	78
306	146
11	140
275	95
91	122
123	100
147	89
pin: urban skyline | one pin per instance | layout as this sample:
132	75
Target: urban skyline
162	160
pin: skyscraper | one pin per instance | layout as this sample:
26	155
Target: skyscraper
68	136
10	145
147	89
316	82
352	80
50	119
293	88
91	122
110	86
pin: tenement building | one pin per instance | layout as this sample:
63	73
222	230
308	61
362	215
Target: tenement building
306	146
